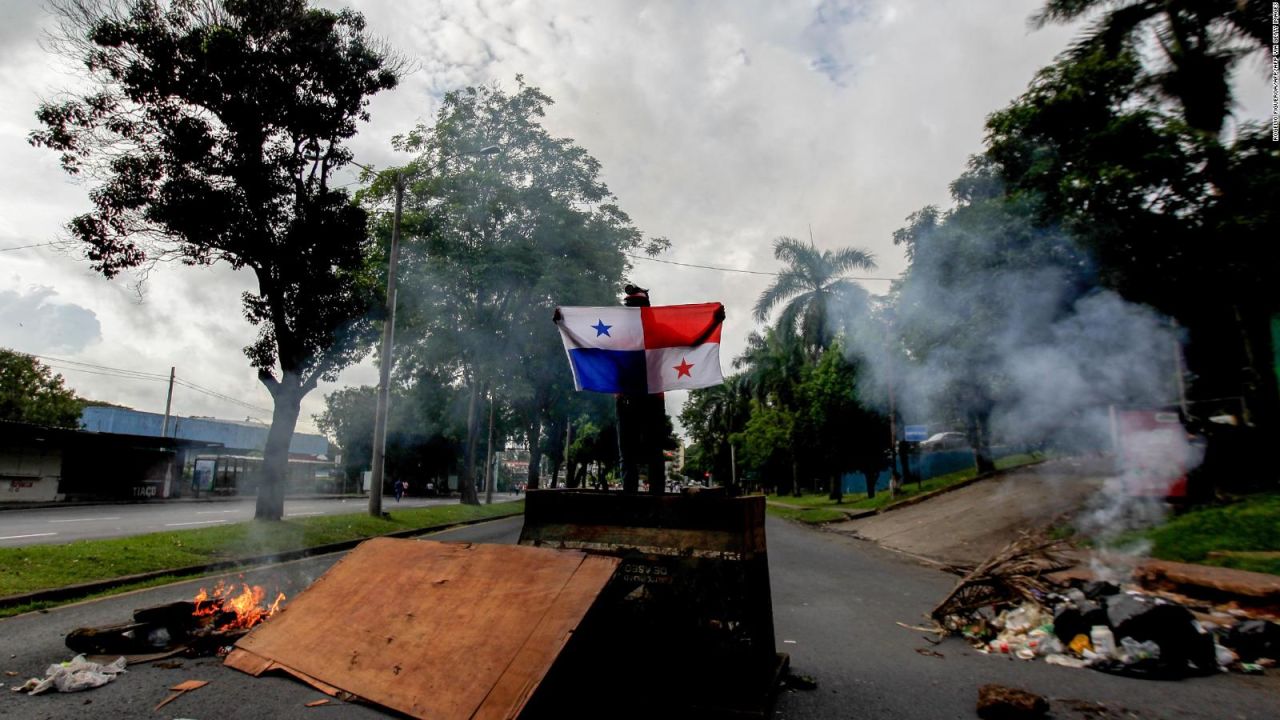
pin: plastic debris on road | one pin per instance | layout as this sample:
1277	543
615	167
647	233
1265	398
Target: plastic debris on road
1006	606
74	675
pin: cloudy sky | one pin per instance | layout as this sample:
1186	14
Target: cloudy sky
720	125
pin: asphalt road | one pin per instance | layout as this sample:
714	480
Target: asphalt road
836	603
37	526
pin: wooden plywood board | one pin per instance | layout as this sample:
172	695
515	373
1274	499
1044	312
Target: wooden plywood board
439	630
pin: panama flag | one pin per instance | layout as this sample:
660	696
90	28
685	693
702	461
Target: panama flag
638	350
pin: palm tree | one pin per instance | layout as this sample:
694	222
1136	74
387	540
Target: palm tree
773	366
1200	41
810	288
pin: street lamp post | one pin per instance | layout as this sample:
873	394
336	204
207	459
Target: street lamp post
388	340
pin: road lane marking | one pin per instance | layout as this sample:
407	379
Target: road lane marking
117	517
17	537
197	522
216	512
303	513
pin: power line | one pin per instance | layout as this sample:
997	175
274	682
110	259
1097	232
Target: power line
738	270
34	245
108	371
122	371
213	393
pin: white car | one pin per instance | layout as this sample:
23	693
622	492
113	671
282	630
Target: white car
945	441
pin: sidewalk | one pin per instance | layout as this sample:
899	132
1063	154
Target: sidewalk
965	526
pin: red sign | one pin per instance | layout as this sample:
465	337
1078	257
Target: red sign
1153	453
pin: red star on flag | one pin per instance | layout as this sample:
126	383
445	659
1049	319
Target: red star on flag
682	370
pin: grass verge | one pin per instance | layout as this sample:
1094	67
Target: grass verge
39	567
1249	525
882	499
811	516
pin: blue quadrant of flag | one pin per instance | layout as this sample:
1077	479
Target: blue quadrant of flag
621	371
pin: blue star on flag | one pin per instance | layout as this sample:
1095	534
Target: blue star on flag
601	328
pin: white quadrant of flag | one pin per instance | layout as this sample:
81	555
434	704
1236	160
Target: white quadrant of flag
684	368
607	328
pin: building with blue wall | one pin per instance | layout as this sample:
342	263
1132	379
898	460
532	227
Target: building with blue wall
235	436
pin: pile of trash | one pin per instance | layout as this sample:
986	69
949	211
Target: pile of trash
1007	606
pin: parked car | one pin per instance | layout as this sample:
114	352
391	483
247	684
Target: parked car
945	441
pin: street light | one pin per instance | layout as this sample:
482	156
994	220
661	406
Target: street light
388	338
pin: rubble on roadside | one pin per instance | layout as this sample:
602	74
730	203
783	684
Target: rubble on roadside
1007	606
73	675
997	702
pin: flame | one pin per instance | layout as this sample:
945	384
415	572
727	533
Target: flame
246	607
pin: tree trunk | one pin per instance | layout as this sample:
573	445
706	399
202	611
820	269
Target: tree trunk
534	436
287	397
872	479
795	478
572	478
837	489
467	483
980	437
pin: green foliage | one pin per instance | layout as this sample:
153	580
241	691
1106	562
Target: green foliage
766	441
808	516
711	416
32	393
213	130
1250	524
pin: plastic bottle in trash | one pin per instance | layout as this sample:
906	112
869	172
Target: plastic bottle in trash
1104	641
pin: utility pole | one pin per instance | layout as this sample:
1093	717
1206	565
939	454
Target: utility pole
384	359
168	403
489	475
388	337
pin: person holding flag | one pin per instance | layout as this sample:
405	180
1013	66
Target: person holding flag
638	352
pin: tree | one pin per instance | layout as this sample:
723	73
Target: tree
1123	145
494	242
711	416
1199	42
348	419
767	444
32	393
809	286
212	133
837	431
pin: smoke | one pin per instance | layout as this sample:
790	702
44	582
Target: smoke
1017	336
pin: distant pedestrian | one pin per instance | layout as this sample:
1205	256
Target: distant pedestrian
398	488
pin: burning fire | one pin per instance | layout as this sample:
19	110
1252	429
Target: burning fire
236	611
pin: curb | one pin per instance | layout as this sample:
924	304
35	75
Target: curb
71	592
908	502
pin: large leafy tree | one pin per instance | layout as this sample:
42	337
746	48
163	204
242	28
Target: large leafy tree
810	286
32	393
1123	142
211	134
494	241
839	432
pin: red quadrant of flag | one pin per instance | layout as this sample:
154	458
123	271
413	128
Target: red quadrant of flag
680	325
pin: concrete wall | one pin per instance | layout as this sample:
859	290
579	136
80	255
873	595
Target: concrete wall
29	474
233	435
